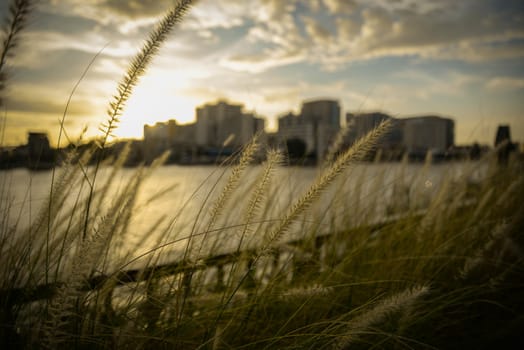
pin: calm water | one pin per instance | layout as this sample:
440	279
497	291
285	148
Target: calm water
183	198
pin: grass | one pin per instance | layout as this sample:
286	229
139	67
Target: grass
320	271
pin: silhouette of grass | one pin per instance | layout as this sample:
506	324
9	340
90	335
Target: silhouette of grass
13	26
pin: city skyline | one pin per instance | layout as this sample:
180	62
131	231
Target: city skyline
307	138
405	58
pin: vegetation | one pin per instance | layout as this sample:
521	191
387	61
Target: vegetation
443	270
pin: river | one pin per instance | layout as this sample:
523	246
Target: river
175	201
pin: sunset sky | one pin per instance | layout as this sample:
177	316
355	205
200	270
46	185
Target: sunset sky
460	59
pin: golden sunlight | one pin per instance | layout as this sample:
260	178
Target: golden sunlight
155	99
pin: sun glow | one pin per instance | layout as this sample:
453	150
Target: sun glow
156	99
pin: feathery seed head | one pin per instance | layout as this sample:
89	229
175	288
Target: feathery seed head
357	152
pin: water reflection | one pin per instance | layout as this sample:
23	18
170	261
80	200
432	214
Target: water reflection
176	201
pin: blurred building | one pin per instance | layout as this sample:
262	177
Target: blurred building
38	144
360	124
316	126
157	139
503	135
504	146
40	154
323	112
36	154
291	126
220	128
428	133
223	121
416	135
179	139
324	115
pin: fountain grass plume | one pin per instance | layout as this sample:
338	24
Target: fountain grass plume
246	158
260	192
274	159
135	71
139	65
15	23
355	153
337	144
376	315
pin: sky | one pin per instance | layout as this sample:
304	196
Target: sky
458	59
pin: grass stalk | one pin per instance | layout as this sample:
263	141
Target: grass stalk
135	71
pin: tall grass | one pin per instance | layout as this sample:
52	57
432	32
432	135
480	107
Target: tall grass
13	26
327	269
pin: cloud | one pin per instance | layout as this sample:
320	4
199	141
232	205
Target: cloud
104	10
471	31
136	8
340	6
315	5
274	40
333	33
286	31
39	105
478	51
274	10
505	83
347	29
213	15
204	93
315	30
471	34
377	26
451	84
283	94
260	62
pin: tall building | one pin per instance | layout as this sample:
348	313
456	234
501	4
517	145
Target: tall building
291	126
503	144
217	122
325	117
389	144
503	135
316	125
38	145
428	133
360	124
325	112
40	154
158	139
